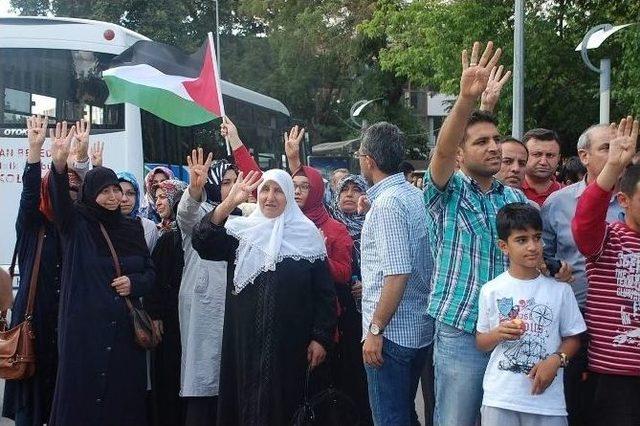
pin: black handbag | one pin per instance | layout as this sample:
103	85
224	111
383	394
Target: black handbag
329	407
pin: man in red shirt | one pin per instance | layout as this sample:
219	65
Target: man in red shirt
612	252
544	155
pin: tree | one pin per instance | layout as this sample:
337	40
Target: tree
423	40
307	54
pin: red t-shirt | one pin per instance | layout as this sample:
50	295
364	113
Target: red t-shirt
612	254
539	198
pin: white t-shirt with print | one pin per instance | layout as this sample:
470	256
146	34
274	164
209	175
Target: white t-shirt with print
549	312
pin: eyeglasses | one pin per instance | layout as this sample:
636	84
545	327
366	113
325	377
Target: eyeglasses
357	155
129	194
304	187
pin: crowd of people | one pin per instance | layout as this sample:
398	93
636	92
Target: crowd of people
508	290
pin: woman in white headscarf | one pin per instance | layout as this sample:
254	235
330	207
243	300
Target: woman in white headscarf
280	308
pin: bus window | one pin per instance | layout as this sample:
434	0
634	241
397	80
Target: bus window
63	84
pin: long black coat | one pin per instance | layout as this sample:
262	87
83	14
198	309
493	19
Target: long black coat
267	329
30	399
101	372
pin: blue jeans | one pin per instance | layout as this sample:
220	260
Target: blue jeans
459	370
392	387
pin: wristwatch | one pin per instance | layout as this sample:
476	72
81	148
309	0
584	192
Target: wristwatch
375	329
564	359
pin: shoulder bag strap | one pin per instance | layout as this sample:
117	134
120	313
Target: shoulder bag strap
33	284
14	258
114	255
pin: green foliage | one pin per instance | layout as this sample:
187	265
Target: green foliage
305	53
424	38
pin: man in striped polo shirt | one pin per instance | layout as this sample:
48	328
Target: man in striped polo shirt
612	252
462	207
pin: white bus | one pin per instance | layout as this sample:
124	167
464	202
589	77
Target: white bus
52	66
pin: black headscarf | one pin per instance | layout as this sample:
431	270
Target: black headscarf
126	234
95	181
215	175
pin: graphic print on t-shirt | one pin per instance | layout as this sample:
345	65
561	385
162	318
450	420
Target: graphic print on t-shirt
521	355
628	286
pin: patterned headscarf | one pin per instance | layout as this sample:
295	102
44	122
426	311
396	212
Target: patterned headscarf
215	175
174	189
130	178
148	209
353	221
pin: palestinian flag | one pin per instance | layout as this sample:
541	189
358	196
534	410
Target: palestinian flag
179	88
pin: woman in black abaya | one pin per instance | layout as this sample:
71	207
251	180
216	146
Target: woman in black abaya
101	372
280	306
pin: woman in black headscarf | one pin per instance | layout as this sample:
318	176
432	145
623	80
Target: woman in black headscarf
101	372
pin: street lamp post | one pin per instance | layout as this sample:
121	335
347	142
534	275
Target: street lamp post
357	108
592	40
517	124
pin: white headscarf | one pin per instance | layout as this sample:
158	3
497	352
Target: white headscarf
264	242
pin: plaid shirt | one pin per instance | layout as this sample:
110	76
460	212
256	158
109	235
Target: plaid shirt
462	227
394	242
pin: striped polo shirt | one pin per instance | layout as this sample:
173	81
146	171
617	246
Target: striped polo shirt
612	253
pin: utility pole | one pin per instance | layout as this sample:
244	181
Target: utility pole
517	125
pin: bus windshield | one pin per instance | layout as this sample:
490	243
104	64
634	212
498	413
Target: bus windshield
62	84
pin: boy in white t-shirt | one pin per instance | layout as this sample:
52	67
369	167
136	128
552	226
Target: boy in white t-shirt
531	323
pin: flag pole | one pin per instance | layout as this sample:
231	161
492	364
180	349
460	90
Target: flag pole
216	69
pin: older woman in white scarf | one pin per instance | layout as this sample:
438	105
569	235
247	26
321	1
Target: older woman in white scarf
280	308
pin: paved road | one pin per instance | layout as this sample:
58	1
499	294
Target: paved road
419	407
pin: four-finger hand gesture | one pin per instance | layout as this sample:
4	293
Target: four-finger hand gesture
244	187
97	149
36	134
36	131
623	147
292	141
81	141
198	171
491	94
61	138
475	73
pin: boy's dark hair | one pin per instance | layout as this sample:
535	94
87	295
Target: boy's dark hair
541	135
520	216
572	170
630	179
479	116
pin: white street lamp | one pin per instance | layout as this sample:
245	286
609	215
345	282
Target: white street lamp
592	40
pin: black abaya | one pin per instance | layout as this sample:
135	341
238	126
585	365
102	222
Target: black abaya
268	327
101	377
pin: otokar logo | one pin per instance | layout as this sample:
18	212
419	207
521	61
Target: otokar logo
9	133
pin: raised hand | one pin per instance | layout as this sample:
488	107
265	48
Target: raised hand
198	169
491	94
229	131
80	144
292	146
475	73
243	187
61	138
292	141
623	147
36	134
97	149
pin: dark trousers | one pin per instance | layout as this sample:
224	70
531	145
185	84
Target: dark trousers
201	411
428	388
393	386
616	400
576	392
